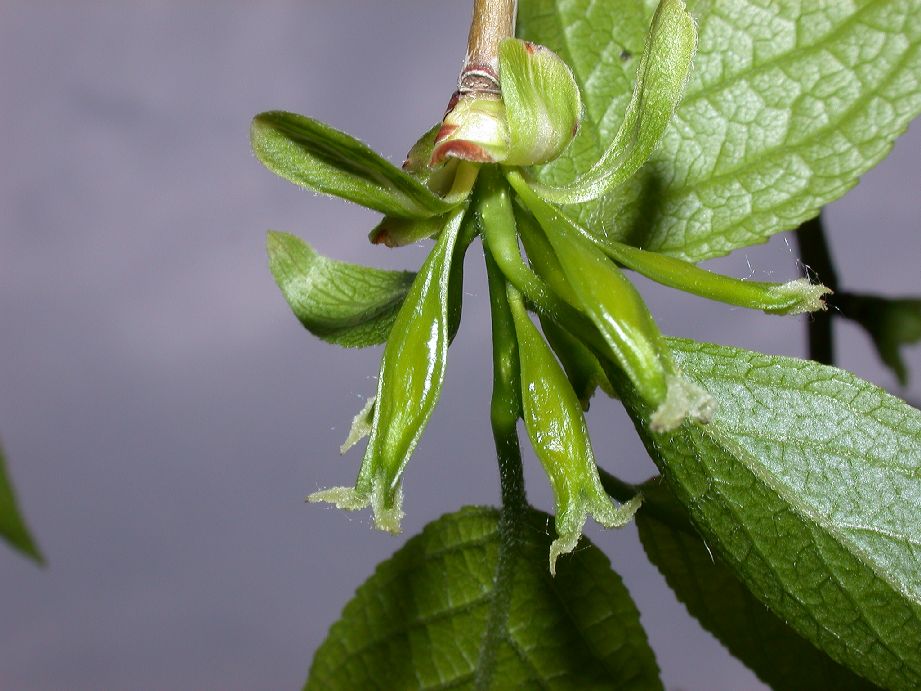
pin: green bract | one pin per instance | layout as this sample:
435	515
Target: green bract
660	79
315	156
802	478
345	304
542	102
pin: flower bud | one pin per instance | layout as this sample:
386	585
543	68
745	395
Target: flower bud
553	418
411	376
474	129
542	102
533	120
609	299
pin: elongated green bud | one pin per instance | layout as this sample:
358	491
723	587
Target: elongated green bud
582	367
793	297
411	376
498	226
542	257
556	427
620	315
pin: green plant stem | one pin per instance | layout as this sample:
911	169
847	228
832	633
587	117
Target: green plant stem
505	409
815	256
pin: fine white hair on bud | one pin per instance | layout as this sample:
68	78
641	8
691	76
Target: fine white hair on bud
684	400
803	295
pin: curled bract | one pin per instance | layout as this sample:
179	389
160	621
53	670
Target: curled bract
532	121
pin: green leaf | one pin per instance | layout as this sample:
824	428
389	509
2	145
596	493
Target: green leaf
714	596
891	322
346	304
808	484
13	528
420	622
788	105
316	156
660	79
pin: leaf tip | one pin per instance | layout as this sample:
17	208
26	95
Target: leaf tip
275	240
259	128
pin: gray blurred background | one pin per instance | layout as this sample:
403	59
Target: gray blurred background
163	412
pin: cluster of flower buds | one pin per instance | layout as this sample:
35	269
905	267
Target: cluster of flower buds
470	176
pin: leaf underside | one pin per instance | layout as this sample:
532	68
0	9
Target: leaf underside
346	304
714	596
314	155
808	484
788	105
421	620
